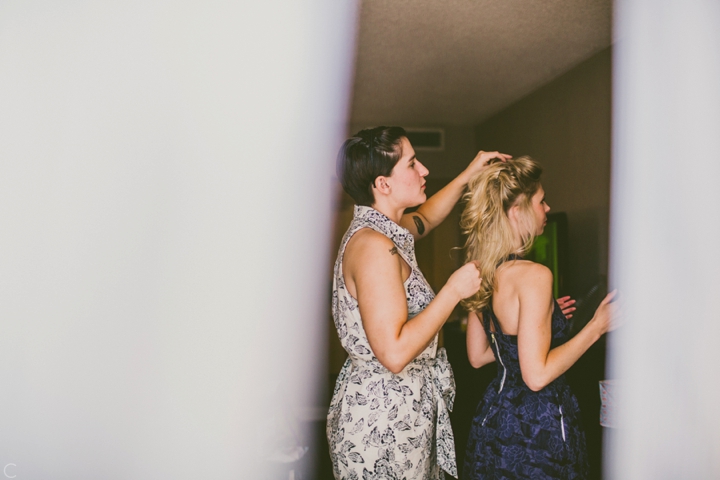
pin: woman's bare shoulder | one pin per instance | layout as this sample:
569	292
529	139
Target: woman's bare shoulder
369	250
368	241
522	273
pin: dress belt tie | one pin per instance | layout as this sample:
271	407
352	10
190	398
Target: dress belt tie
441	377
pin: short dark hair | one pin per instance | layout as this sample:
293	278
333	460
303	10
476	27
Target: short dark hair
368	154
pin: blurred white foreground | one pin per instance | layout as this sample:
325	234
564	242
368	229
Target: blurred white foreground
165	203
666	226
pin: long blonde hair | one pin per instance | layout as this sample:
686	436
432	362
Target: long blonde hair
490	236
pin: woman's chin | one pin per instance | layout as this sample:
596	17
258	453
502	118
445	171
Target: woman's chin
416	203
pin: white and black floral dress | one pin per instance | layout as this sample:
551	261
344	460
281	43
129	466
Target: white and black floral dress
383	425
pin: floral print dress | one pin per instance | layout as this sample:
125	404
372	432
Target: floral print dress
383	425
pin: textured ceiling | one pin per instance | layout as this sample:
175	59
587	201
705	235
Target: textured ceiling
456	62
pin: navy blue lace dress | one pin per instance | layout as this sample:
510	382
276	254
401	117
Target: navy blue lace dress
518	433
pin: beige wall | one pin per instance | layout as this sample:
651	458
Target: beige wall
566	126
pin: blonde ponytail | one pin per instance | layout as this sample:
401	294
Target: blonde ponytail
490	236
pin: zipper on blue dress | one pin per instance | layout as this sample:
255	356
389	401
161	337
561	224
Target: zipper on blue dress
497	347
562	423
490	409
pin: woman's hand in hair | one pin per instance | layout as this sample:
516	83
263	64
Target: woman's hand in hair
465	281
607	318
481	161
566	306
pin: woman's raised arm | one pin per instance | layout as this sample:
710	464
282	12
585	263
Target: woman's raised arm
431	213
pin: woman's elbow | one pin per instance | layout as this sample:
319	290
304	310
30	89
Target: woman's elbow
534	382
394	364
476	361
480	359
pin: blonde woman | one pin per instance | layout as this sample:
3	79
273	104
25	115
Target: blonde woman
527	424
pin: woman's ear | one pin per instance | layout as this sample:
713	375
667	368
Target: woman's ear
514	214
381	185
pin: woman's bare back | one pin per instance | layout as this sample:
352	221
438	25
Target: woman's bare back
511	276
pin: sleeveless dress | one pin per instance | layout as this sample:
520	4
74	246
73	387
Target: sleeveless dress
383	425
519	433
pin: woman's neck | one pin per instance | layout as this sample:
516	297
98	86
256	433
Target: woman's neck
519	243
393	213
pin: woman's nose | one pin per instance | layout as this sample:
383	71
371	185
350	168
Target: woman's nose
423	169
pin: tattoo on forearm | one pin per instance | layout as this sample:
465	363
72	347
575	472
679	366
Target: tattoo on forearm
419	224
393	251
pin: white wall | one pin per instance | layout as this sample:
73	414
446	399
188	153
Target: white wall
664	251
165	205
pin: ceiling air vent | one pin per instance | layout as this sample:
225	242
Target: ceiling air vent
426	138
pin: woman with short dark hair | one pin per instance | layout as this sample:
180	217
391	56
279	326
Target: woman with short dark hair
389	413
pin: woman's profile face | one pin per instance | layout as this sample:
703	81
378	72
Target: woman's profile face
407	178
539	210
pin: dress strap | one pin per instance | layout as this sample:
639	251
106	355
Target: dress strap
488	313
488	317
511	257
